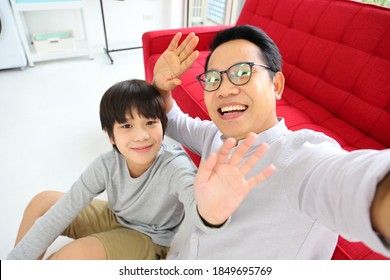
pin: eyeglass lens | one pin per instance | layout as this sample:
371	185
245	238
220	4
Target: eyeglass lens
237	74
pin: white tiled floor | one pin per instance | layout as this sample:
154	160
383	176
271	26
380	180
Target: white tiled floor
50	128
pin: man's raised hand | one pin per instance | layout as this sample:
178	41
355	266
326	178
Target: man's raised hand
174	61
220	183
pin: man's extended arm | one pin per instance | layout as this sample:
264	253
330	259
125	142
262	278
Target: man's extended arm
380	208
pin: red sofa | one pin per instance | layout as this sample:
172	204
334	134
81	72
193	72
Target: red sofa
336	61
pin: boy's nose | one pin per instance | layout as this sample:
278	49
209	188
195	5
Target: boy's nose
141	135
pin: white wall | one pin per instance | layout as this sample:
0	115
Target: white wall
126	20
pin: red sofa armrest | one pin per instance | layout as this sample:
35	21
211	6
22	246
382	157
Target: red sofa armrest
156	42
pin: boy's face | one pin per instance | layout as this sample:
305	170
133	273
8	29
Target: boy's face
139	140
251	107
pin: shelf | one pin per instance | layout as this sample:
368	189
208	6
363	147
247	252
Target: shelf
80	50
44	6
82	44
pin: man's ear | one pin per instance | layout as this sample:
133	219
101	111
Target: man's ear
278	85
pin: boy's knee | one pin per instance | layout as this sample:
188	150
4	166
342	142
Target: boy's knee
87	248
42	201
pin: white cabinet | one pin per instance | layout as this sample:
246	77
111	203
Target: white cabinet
25	10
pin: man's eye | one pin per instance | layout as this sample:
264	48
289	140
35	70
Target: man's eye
126	126
212	79
242	73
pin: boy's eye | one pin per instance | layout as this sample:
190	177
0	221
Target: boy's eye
151	122
126	125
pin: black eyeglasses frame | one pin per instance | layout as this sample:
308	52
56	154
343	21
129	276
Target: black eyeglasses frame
250	63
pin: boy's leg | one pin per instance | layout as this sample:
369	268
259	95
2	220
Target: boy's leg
92	219
117	244
98	235
86	248
96	228
37	207
129	244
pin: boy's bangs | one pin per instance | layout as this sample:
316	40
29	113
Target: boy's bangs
147	109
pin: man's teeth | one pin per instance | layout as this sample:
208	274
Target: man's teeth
233	108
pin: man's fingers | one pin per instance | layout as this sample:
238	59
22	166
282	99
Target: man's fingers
171	84
185	42
253	159
224	151
242	149
205	168
260	177
175	41
189	61
187	47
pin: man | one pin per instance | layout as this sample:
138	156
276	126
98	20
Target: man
318	191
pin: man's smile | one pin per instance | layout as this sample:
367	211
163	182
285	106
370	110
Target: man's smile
232	109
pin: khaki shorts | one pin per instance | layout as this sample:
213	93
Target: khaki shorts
119	242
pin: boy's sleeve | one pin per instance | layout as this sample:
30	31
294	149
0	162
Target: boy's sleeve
48	227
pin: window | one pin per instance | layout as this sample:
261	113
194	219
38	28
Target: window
213	12
384	3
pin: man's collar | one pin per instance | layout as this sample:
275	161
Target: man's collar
269	135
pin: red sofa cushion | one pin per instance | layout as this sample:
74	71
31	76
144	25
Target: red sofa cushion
336	60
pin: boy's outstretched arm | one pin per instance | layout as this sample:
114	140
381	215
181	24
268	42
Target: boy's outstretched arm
380	208
174	61
220	184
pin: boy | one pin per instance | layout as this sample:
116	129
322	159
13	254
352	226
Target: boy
146	183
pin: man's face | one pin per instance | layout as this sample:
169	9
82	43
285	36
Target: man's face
238	110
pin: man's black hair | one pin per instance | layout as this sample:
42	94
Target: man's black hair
269	51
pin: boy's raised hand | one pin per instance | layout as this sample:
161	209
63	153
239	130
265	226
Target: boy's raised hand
174	61
220	184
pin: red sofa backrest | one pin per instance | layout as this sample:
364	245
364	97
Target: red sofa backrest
336	60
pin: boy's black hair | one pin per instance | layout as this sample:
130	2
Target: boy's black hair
118	101
269	50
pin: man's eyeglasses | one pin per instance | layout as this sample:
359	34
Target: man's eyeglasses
238	74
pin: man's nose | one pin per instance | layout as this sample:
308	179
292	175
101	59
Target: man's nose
227	87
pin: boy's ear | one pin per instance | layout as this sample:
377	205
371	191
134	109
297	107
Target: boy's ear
111	137
278	85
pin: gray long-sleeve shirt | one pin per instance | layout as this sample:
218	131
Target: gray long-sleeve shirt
152	203
318	190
